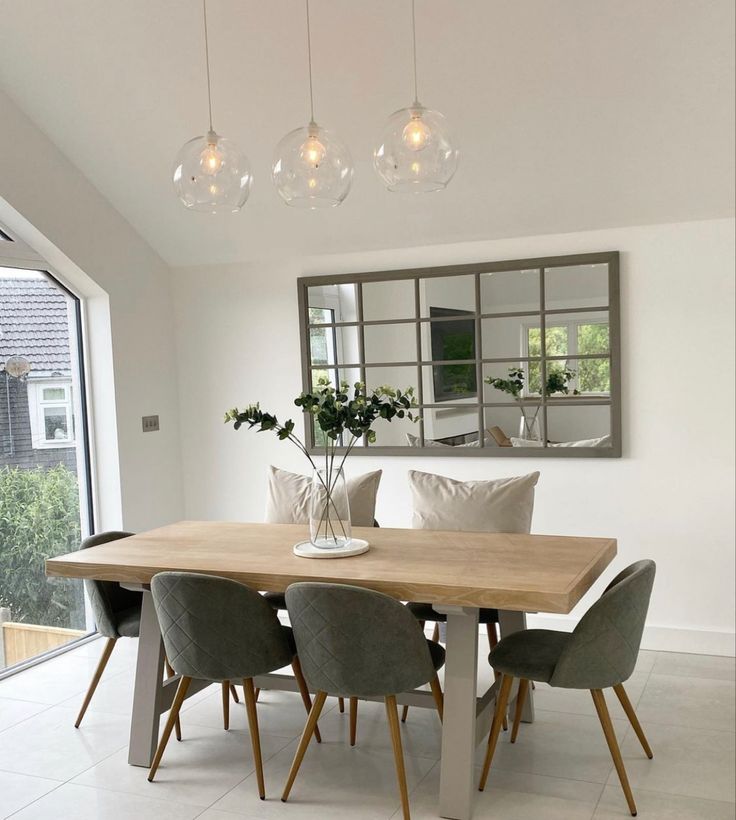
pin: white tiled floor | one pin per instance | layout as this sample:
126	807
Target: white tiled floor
558	769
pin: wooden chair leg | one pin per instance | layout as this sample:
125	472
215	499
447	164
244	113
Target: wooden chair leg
304	692
404	713
341	705
102	663
255	737
353	720
492	634
258	694
608	730
319	702
520	698
181	693
633	719
234	693
501	704
393	721
436	633
170	674
226	704
439	698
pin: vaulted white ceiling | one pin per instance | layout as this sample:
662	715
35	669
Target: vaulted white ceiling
570	114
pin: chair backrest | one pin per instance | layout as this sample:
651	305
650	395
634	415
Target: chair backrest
356	642
217	629
605	644
108	598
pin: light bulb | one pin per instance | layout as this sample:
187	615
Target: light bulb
211	159
416	133
312	184
312	151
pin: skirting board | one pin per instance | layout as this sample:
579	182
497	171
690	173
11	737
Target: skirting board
660	638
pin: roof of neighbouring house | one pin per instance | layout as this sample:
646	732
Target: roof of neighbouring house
34	323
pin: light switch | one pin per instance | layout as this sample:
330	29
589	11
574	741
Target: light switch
150	424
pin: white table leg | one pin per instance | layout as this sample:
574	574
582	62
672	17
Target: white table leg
148	694
457	767
510	622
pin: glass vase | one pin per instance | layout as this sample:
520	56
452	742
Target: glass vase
529	425
329	510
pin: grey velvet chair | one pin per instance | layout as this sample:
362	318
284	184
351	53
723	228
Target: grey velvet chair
600	652
358	643
216	629
117	614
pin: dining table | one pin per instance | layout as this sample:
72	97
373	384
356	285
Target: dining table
457	572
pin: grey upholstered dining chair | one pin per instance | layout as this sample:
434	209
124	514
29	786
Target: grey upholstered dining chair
117	614
216	629
358	643
600	652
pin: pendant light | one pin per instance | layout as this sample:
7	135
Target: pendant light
211	173
416	152
312	167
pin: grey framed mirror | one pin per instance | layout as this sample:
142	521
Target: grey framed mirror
508	359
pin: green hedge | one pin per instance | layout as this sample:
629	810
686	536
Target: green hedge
39	518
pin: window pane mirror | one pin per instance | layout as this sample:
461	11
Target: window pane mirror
508	359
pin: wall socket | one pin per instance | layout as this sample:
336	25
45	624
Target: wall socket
150	424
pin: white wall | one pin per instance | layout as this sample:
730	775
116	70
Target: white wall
130	329
670	497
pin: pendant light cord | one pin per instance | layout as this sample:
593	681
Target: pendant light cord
414	48
207	61
309	60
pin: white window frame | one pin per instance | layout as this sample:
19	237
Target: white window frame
36	406
572	326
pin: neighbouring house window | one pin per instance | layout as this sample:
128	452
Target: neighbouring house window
579	337
51	413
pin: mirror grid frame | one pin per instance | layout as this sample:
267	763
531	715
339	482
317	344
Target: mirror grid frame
609	258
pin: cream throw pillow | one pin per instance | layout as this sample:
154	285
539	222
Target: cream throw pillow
500	505
603	441
287	501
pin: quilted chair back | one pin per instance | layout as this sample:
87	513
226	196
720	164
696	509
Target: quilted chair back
108	598
217	629
605	644
355	642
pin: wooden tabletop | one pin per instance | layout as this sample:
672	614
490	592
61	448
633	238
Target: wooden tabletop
545	573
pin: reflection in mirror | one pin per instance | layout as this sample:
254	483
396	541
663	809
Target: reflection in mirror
509	291
398	377
448	292
449	383
508	337
448	427
389	300
567	334
336	375
579	426
506	382
576	286
582	377
390	343
332	303
519	426
394	433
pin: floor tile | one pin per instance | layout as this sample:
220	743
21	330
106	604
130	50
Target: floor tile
216	814
658	806
559	745
198	771
83	803
695	666
18	790
513	796
688	762
15	711
48	745
335	781
682	701
279	713
580	702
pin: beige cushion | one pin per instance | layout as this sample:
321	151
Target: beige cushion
500	505
287	500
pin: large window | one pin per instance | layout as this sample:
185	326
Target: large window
45	507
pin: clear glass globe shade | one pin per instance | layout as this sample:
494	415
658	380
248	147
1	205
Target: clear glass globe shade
212	174
312	168
416	152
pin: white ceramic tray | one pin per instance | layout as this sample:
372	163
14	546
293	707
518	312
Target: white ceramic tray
305	549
